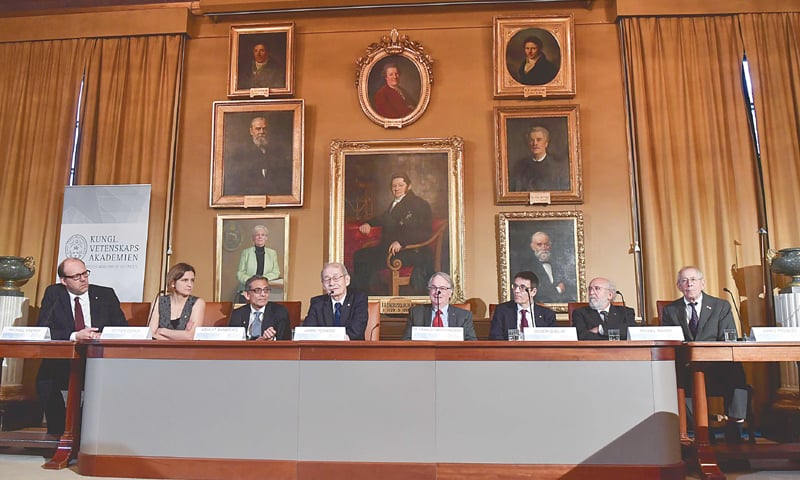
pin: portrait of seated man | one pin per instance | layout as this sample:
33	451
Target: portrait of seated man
556	283
407	221
258	164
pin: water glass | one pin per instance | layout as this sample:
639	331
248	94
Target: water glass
613	334
730	335
513	334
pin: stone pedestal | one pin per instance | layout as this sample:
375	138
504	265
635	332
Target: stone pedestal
787	401
13	312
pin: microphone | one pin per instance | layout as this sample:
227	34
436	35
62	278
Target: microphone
530	308
733	299
622	297
152	307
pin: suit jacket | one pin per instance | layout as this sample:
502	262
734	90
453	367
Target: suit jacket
505	319
546	292
354	313
392	104
249	171
248	264
420	316
275	315
409	222
543	72
56	311
585	319
714	318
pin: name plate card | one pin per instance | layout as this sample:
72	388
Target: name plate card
545	334
25	333
320	333
126	333
775	334
441	334
219	333
656	333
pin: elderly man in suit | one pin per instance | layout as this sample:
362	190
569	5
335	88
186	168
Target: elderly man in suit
340	306
594	321
261	319
73	310
439	313
705	318
521	312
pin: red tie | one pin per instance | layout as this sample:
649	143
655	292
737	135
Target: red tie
79	323
523	323
437	320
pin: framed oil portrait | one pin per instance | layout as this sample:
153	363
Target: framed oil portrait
549	244
239	237
397	214
261	61
394	81
534	57
257	154
538	155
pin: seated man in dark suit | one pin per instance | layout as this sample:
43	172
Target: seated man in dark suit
704	318
594	322
517	313
340	307
261	319
440	288
73	310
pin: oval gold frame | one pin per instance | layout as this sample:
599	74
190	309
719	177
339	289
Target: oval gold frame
389	45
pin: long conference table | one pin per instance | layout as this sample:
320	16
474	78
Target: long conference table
389	410
66	446
694	352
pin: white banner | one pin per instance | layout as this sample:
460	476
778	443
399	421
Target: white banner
106	227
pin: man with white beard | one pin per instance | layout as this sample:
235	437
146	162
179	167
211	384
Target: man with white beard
594	322
258	167
554	283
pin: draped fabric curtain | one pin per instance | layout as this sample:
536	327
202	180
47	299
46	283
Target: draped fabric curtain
128	125
39	89
693	149
771	42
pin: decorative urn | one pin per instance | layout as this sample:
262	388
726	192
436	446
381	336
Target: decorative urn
786	262
14	273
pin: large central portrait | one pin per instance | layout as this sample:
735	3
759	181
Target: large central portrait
397	214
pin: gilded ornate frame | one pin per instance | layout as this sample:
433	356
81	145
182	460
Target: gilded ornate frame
512	125
425	160
231	123
565	228
279	40
556	33
411	59
234	235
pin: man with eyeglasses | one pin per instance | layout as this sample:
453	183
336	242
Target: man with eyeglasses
339	306
520	312
261	319
704	318
594	321
73	310
439	313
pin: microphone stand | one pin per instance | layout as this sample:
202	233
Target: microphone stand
152	307
622	297
735	306
530	310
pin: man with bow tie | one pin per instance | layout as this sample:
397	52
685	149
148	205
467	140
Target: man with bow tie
704	318
554	284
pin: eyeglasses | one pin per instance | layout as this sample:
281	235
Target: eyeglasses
332	279
595	288
78	276
685	281
517	286
260	291
434	288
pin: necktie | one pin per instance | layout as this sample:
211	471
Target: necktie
255	327
523	322
437	320
337	315
694	321
604	318
79	323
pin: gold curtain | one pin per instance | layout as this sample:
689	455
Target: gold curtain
39	88
771	42
128	126
692	148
